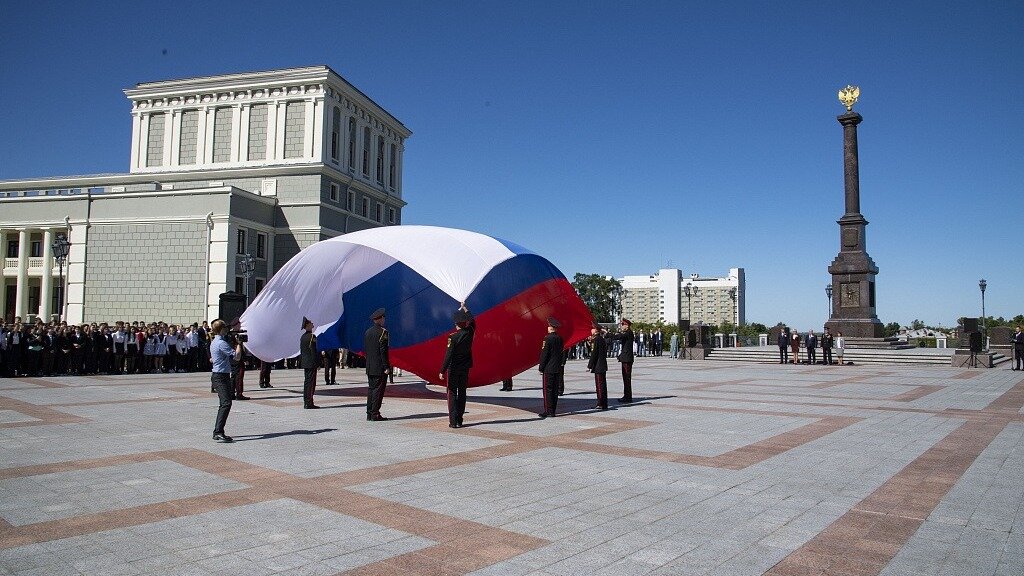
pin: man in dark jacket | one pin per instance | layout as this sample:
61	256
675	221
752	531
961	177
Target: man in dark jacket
550	365
811	343
599	366
1018	349
625	337
783	345
310	360
458	359
376	346
827	341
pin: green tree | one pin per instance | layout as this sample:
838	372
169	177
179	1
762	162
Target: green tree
916	325
892	329
601	294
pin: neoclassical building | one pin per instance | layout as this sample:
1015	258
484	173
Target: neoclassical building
252	166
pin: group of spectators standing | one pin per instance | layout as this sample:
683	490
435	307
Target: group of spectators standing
790	341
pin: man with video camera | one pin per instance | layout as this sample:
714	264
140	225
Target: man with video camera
221	356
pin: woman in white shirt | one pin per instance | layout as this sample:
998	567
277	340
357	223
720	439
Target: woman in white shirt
840	344
181	347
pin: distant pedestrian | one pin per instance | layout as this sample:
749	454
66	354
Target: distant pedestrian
550	364
673	345
1018	349
783	343
309	357
625	336
794	346
840	346
598	364
827	341
811	343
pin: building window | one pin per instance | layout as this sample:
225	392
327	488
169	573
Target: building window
12	248
350	202
391	166
294	129
261	245
35	249
189	139
380	211
334	192
240	245
366	151
258	132
155	144
222	119
391	215
336	135
351	143
366	207
260	282
239	285
380	159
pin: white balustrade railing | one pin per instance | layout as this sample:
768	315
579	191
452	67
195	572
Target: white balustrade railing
11	263
35	262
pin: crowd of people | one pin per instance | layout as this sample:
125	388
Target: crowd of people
790	341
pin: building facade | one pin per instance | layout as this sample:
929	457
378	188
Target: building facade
257	164
669	297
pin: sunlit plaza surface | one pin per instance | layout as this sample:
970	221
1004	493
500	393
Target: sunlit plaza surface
715	468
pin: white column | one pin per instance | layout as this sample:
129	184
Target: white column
271	131
314	130
280	111
136	139
144	141
21	293
169	117
176	138
46	284
201	146
243	134
236	131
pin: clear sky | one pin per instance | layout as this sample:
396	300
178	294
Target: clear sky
613	137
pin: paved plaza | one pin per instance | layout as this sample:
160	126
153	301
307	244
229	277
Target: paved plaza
717	468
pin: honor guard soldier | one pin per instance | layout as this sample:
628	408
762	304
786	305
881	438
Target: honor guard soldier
550	366
378	365
458	359
309	357
598	364
625	337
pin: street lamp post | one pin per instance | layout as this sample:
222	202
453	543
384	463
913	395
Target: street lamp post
689	292
828	292
61	248
248	266
735	309
984	330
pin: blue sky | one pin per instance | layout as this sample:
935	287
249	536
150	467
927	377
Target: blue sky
613	138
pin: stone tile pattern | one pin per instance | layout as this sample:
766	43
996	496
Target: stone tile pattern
155	143
222	120
294	129
258	132
716	469
188	144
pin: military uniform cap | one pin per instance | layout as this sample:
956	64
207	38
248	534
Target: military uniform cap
378	313
460	316
554	323
305	321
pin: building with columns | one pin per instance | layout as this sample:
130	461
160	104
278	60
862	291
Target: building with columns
260	164
669	297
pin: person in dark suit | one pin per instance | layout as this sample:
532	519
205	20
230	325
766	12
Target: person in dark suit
625	358
331	358
458	359
506	385
550	366
1018	349
309	358
376	346
827	341
598	364
811	342
783	345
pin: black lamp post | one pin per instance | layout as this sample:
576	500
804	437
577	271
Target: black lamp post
689	292
828	292
248	267
61	248
982	284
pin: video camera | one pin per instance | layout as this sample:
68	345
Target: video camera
240	336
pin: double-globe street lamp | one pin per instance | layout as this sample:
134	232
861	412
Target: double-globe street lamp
61	248
248	266
828	292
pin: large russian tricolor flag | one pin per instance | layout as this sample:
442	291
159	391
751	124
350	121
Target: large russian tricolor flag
419	274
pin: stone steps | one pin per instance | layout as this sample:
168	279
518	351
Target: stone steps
912	356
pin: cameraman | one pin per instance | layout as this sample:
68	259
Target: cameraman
235	339
223	356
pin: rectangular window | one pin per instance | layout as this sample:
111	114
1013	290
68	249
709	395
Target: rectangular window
366	207
35	249
351	143
336	135
366	151
260	282
380	211
380	159
240	245
294	129
12	248
350	202
391	215
222	119
261	245
391	166
239	285
334	192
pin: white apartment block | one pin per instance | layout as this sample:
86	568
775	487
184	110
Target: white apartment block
257	164
669	296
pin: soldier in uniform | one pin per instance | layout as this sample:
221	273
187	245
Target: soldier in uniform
625	337
599	366
826	346
458	359
310	360
331	358
378	365
550	365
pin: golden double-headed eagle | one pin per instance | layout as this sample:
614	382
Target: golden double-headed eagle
848	96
